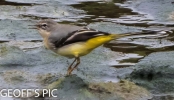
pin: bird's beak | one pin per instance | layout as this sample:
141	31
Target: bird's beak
33	26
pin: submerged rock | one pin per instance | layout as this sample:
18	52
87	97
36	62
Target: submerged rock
155	72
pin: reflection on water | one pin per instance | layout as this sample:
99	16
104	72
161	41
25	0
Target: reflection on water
101	10
143	44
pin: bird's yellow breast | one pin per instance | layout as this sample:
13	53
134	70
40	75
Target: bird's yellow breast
82	48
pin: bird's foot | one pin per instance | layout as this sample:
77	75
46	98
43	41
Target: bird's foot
68	73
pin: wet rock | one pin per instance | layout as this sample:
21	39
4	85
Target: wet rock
171	15
47	78
12	12
21	68
12	56
125	89
163	97
155	72
73	87
25	46
14	76
17	30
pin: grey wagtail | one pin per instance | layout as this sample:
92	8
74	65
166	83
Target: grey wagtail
72	41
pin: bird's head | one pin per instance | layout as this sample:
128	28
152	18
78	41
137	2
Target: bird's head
45	27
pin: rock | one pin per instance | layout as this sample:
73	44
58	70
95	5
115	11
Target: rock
48	78
125	89
171	16
12	56
14	76
163	97
155	72
73	87
12	30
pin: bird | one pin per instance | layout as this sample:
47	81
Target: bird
72	41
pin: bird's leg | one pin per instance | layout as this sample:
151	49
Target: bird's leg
78	62
70	67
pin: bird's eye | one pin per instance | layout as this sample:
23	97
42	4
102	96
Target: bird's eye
44	26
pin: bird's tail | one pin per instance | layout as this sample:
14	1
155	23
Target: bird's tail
116	36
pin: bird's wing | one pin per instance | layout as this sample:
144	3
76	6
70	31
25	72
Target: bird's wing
78	36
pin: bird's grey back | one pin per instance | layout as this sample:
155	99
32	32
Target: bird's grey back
61	31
